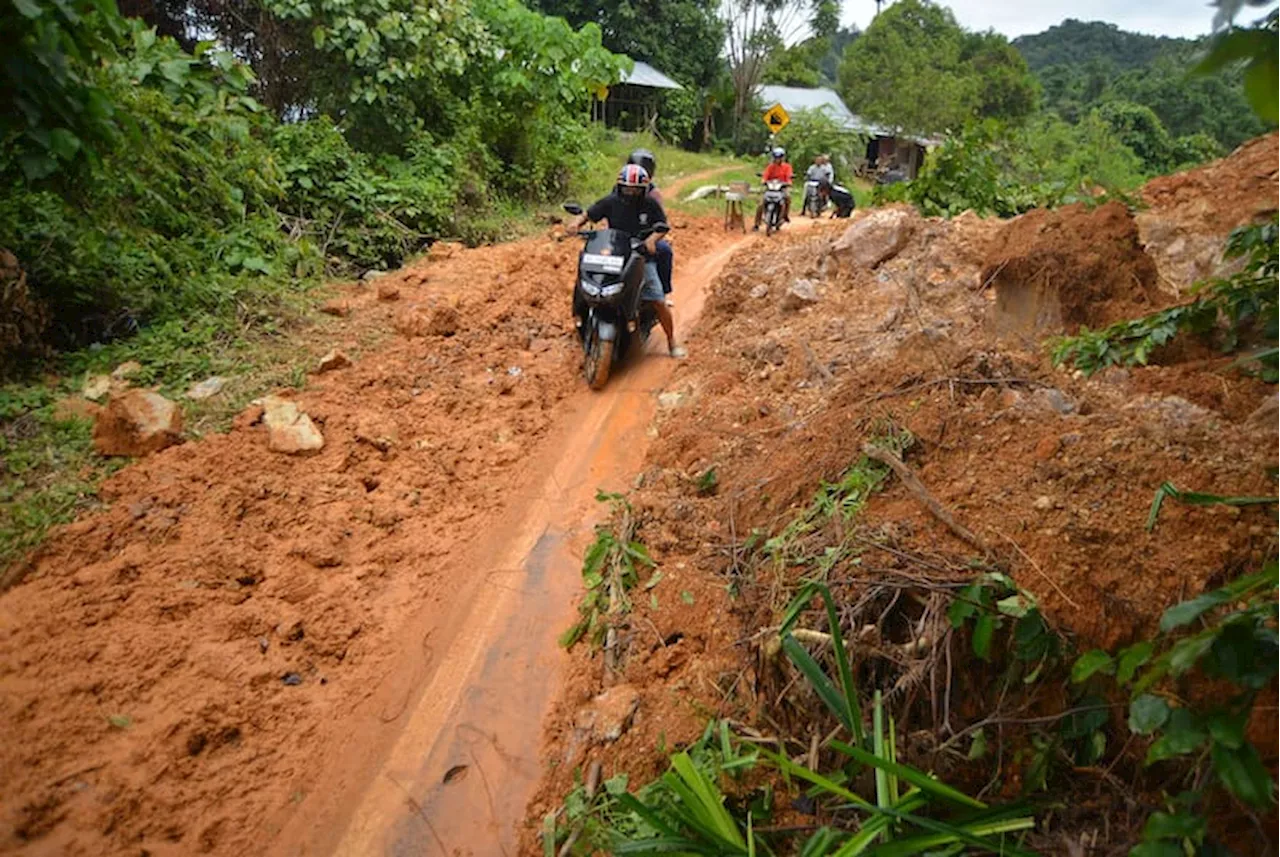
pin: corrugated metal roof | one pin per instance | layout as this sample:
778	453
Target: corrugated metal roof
796	98
646	75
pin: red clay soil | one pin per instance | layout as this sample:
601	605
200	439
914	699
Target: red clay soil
1055	472
178	668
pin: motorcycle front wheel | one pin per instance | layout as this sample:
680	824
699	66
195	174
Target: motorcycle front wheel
598	361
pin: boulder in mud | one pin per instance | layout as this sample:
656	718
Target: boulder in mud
289	429
206	389
430	321
136	423
388	292
875	238
800	294
1265	415
607	716
336	307
333	361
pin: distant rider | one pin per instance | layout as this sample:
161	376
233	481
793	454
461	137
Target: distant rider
778	170
630	209
664	257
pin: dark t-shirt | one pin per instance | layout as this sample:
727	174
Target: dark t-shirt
628	217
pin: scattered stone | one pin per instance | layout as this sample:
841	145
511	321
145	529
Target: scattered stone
126	370
875	238
759	291
96	386
1048	447
333	361
800	294
538	346
388	292
372	274
75	408
336	307
1264	415
137	423
610	714
442	250
670	399
437	321
263	644
207	388
379	433
1044	503
291	679
1055	399
289	430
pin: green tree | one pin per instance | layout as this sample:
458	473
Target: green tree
907	70
1006	87
683	38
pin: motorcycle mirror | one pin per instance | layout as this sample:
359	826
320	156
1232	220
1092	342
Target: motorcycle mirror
573	208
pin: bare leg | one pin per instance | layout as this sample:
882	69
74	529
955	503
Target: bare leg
668	323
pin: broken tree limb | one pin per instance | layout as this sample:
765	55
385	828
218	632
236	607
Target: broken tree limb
887	457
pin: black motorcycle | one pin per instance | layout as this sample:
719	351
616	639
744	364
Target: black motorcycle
606	299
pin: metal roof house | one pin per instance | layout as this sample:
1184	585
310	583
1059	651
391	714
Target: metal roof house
632	104
885	145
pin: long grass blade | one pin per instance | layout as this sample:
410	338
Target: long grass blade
549	835
878	748
958	834
893	757
873	827
822	685
916	777
973	834
843	665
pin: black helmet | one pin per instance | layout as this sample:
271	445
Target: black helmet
644	158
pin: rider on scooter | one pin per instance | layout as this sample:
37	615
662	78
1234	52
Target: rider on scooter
630	209
778	170
664	257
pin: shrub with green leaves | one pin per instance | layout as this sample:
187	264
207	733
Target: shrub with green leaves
1226	636
1005	170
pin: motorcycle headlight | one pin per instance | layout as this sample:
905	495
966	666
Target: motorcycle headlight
590	288
610	291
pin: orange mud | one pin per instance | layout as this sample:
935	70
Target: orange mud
249	652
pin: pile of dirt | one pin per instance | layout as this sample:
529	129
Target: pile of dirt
180	667
1053	471
1190	214
1057	270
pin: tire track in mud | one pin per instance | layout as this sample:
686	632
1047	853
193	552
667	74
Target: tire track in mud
466	755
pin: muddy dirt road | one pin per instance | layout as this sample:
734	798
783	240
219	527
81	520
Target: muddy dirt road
349	651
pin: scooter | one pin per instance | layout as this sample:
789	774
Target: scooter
607	309
775	193
814	202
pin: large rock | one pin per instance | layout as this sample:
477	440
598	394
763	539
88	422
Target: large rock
875	238
802	293
289	430
137	422
440	320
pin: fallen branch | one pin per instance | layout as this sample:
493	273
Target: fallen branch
593	779
887	457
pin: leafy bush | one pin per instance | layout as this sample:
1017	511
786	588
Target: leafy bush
174	218
1006	170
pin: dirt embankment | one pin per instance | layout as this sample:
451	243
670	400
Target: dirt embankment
817	342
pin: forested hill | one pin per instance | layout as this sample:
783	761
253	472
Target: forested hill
1085	65
1078	42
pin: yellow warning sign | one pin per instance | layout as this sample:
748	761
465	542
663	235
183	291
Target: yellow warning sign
776	118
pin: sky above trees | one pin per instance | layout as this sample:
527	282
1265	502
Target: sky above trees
1187	18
